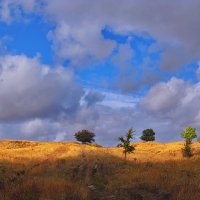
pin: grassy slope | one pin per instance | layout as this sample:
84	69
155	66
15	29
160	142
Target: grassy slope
47	170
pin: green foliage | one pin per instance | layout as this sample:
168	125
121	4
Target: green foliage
189	134
148	135
125	142
85	136
187	151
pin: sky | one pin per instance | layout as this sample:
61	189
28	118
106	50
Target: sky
105	66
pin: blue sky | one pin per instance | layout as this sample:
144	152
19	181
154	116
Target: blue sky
74	68
29	38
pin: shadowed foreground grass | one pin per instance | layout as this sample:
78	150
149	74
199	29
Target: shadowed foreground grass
62	171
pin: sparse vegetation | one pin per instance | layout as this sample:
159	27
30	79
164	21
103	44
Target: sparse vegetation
148	135
85	136
126	142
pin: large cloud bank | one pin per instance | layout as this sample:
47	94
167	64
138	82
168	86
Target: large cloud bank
44	103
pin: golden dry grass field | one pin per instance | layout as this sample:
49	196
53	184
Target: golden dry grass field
62	171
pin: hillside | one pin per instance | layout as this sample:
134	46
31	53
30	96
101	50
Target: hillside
68	170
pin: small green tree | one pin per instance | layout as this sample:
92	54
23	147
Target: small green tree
189	134
148	135
125	142
85	136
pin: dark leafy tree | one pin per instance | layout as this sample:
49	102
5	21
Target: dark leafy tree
85	136
148	135
189	134
126	142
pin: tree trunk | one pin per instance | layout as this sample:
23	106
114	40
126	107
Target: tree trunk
188	142
125	155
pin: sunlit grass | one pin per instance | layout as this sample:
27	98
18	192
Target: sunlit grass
47	170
